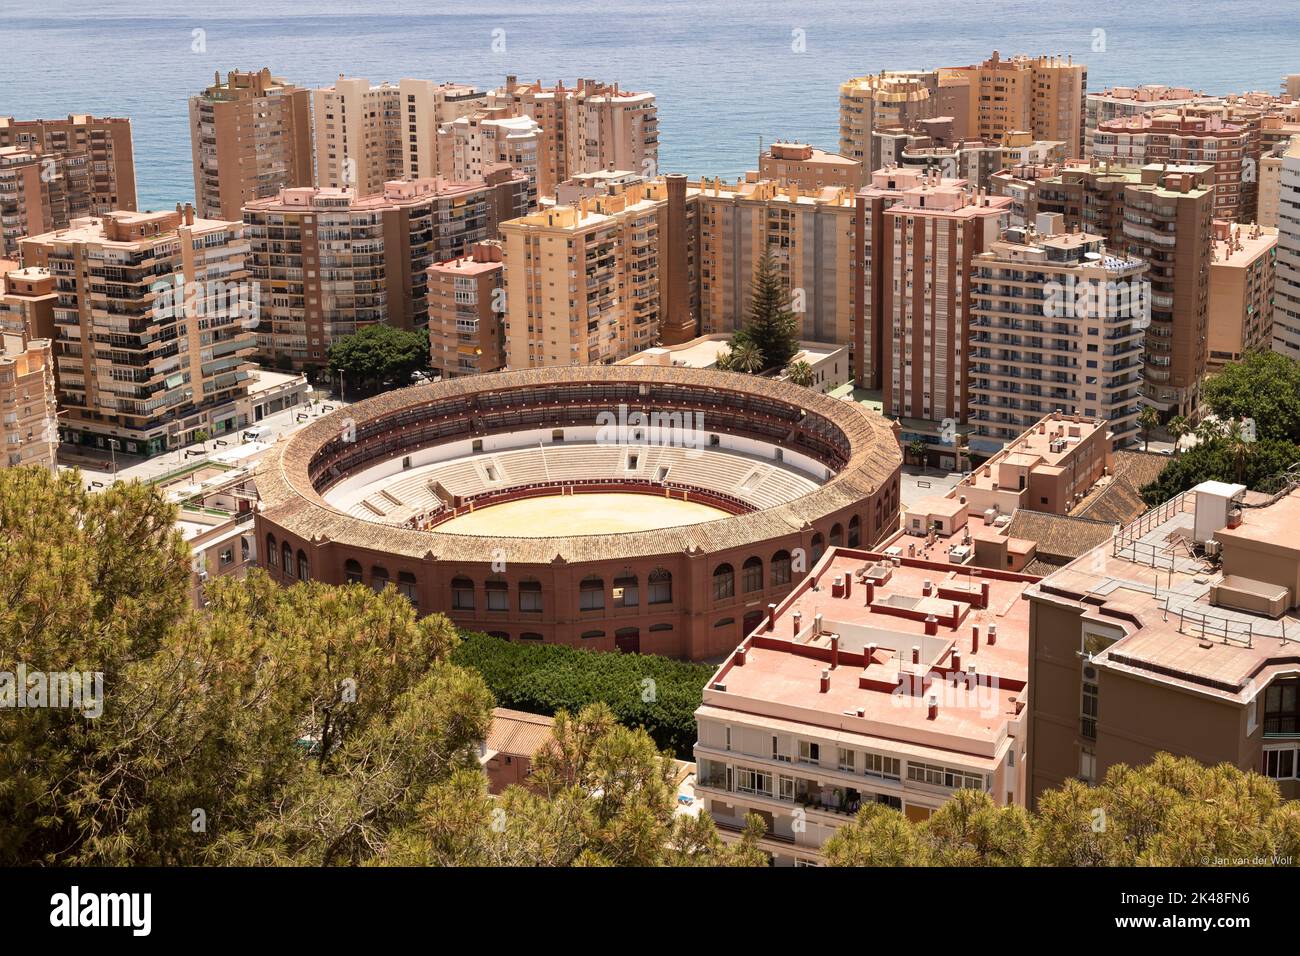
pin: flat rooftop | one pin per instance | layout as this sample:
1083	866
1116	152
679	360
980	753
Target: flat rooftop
1152	581
904	630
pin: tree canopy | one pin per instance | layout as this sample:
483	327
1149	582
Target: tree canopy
1255	464
378	355
1264	386
1171	812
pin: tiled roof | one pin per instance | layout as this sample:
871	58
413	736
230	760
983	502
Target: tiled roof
518	733
1118	498
1059	536
289	499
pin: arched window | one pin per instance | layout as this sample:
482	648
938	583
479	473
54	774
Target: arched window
752	620
628	640
499	634
655	628
751	575
498	595
781	567
530	596
272	555
286	559
302	566
855	531
530	636
591	594
590	635
630	590
724	622
245	549
724	582
352	573
462	594
406	584
378	578
818	546
837	535
661	586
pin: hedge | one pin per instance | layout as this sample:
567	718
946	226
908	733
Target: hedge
545	678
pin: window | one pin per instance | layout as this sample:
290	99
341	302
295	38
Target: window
351	572
944	776
787	788
530	636
590	635
1282	709
751	575
809	752
846	759
286	558
498	595
591	594
1087	765
753	781
530	597
837	535
272	557
661	587
724	582
1280	764
818	546
631	593
855	531
781	568
227	556
1088	714
776	752
406	585
462	594
378	578
878	765
302	565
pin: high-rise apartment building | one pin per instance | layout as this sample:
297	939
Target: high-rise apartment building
1176	635
467	312
357	129
1286	309
1242	275
426	107
96	148
24	207
27	302
809	168
1184	140
1056	326
922	294
28	414
153	326
470	145
602	279
1161	214
893	99
583	128
329	262
810	237
250	137
1041	95
1123	102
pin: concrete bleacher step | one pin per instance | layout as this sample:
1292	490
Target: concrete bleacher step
388	495
372	507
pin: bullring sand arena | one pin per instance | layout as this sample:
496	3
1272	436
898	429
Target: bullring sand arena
558	515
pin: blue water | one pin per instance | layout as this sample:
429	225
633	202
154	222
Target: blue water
725	72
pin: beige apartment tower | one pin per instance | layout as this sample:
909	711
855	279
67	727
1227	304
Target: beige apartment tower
1056	326
467	312
28	413
153	326
329	263
250	137
98	148
1242	276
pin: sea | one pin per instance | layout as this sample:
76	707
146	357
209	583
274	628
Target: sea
729	75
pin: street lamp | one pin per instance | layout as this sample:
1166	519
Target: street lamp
112	451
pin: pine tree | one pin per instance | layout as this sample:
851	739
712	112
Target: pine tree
769	323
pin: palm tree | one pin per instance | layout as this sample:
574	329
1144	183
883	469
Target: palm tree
799	373
1178	426
724	360
746	357
1147	421
917	449
1240	448
1208	431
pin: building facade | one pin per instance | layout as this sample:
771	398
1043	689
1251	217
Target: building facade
1286	309
153	327
467	312
94	150
1242	276
250	137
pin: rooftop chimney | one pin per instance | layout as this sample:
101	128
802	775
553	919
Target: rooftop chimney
932	711
825	682
835	651
771	617
974	638
993	634
796	618
931	624
916	653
